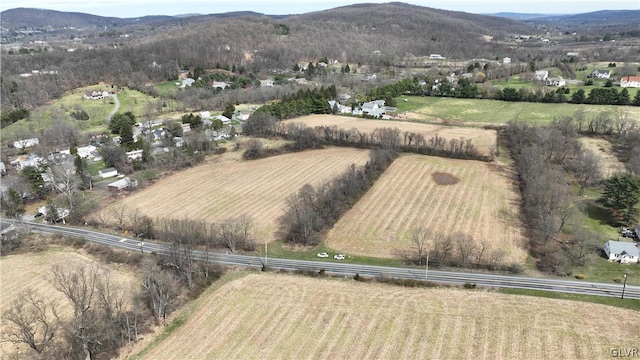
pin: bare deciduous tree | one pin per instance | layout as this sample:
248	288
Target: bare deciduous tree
162	290
586	167
419	239
32	321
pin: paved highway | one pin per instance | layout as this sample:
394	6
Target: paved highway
346	269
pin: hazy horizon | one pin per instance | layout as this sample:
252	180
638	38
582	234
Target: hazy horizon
139	8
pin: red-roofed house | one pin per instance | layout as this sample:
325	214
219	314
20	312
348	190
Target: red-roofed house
630	81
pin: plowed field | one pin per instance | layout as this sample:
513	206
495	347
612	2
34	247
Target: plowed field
482	139
271	316
421	191
259	188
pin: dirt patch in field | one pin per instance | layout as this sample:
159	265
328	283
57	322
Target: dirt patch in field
271	316
444	178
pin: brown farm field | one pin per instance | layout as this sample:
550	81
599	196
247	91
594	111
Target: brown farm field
21	272
483	203
276	316
484	140
259	188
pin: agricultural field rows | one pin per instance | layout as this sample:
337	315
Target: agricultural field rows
275	316
483	203
259	188
484	140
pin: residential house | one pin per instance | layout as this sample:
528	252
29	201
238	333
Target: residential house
134	155
556	81
106	173
26	143
32	160
186	128
541	75
506	60
122	184
225	120
436	57
267	83
624	252
630	81
242	116
374	108
3	169
341	109
60	157
96	95
158	134
300	81
601	74
85	152
572	54
187	82
219	85
178	142
205	115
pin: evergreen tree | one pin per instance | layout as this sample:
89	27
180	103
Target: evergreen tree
229	110
621	194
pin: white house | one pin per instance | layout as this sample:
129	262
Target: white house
85	152
506	60
541	75
25	143
600	74
225	120
556	81
436	57
219	85
630	81
122	184
134	155
205	115
95	95
106	173
242	116
186	128
624	252
187	82
266	83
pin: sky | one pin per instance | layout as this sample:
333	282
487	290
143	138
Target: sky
137	8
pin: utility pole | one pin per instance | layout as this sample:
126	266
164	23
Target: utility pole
624	285
426	269
265	253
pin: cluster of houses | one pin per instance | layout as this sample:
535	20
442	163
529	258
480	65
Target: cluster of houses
376	109
626	81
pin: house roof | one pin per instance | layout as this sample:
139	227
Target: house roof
631	78
601	71
619	247
104	171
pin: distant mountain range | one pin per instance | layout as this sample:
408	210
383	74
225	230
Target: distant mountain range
51	19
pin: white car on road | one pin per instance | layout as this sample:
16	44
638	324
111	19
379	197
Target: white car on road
323	255
339	257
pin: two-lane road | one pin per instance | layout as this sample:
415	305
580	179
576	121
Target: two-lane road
347	269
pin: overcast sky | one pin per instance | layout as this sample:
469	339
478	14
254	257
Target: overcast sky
135	8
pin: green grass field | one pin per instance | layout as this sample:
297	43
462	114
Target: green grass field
495	111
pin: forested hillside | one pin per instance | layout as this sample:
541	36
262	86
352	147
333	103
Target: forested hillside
374	34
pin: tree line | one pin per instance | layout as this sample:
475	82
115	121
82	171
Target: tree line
305	137
312	211
549	161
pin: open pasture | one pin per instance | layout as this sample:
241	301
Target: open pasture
484	140
217	191
444	196
275	316
477	111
